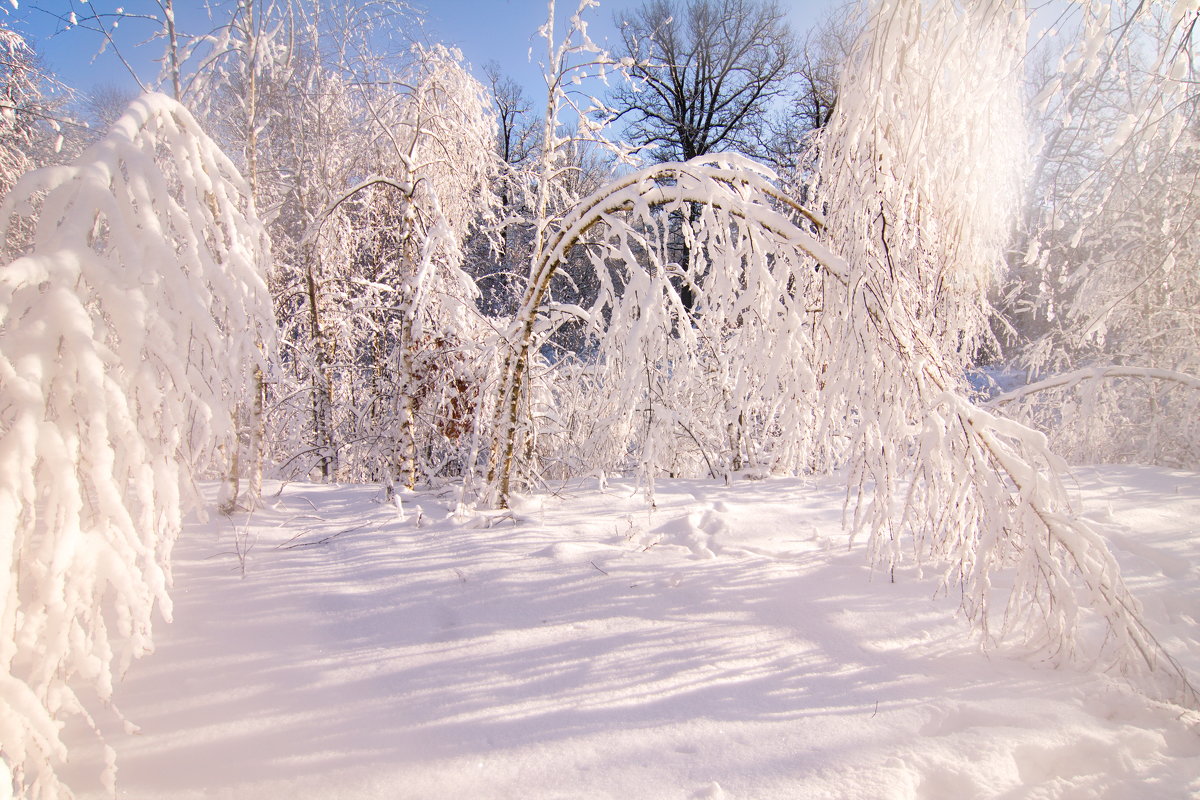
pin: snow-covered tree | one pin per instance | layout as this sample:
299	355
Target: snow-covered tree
310	147
571	56
921	172
876	320
277	87
128	333
18	85
409	304
1105	271
715	388
31	129
648	389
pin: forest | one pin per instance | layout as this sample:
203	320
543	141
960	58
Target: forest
934	251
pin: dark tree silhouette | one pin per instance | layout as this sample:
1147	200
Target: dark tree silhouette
705	73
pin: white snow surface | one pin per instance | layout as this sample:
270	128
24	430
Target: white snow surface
729	643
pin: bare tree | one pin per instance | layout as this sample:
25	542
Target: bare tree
515	143
705	73
104	105
825	47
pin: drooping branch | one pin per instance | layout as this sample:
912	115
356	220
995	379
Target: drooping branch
933	477
129	333
405	188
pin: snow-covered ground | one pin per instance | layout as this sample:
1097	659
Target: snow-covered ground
727	643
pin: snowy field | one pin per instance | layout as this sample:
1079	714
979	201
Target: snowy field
727	643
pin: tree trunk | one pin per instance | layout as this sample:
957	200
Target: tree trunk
227	498
257	452
321	378
406	462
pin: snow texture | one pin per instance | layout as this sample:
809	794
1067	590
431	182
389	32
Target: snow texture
729	643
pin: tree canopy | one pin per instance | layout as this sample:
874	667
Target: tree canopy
705	73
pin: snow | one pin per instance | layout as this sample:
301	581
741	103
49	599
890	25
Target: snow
727	643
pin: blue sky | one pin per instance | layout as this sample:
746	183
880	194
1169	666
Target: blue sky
485	30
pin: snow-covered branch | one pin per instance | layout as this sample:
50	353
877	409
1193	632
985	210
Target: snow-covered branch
744	239
128	335
1076	377
922	234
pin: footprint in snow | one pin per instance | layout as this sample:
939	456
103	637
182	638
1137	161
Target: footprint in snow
697	532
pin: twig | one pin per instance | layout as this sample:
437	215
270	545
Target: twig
325	540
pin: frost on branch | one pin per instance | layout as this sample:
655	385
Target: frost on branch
921	233
128	334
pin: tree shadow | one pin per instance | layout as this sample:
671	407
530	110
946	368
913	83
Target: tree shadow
397	645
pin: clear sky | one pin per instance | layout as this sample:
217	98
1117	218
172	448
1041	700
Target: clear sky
503	31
